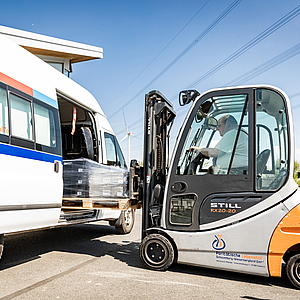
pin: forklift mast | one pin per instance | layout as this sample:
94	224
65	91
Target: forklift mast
159	117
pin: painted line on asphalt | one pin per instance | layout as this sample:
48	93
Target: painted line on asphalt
47	280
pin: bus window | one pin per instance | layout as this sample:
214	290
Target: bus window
42	125
47	132
21	117
4	128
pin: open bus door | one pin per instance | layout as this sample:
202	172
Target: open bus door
229	187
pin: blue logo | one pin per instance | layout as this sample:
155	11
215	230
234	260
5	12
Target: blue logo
218	243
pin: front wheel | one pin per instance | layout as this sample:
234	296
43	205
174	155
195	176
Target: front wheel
293	270
125	222
156	252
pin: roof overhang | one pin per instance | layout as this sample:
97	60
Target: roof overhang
39	44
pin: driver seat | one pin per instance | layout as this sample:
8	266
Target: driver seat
261	162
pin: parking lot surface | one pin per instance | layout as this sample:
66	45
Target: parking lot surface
92	261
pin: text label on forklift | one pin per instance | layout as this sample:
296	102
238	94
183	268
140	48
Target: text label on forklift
224	205
220	207
149	126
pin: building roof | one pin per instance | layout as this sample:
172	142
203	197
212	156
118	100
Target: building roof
39	44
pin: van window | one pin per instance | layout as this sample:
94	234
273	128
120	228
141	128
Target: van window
21	117
110	149
121	160
44	126
4	127
114	153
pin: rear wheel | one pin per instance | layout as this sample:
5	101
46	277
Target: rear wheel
293	270
125	222
156	252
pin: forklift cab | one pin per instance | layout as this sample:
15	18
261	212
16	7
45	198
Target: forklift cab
216	175
229	200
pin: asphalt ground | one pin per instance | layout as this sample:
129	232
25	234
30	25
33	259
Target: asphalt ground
92	261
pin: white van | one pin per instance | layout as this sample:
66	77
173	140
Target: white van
37	134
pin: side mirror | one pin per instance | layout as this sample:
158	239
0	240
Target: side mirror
203	111
133	163
212	123
185	97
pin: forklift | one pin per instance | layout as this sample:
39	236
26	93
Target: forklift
228	199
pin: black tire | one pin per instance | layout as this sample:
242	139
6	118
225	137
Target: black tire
1	244
112	223
125	222
156	252
293	270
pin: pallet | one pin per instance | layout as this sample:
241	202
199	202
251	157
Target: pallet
96	203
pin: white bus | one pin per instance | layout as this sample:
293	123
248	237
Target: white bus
37	105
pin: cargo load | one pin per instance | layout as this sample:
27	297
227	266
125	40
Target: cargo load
85	179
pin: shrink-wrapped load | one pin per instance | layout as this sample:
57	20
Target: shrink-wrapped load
84	178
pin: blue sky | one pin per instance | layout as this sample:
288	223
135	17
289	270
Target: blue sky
140	39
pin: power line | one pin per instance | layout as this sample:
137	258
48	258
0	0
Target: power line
186	50
271	63
274	27
267	32
275	61
159	53
133	127
294	95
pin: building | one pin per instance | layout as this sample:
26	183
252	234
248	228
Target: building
59	53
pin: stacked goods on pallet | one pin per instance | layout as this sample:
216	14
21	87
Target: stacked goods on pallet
84	178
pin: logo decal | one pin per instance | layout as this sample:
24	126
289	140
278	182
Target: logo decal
218	243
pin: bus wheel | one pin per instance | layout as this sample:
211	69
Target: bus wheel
156	252
1	244
125	222
293	270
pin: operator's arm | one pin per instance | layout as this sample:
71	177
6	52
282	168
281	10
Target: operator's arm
210	152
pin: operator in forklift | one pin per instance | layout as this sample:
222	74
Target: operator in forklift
221	153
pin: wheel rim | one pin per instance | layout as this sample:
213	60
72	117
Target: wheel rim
297	270
128	217
156	252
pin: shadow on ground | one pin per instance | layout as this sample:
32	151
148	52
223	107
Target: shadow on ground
86	239
80	239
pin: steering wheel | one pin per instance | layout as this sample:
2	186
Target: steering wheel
196	161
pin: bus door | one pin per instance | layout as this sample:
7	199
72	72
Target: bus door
31	161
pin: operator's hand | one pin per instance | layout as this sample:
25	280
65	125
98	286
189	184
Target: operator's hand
210	170
203	151
194	148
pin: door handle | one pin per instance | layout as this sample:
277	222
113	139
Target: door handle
179	187
56	166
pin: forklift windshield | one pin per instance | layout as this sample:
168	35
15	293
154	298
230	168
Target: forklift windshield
218	139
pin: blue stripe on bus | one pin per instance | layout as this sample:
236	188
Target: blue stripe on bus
28	153
45	99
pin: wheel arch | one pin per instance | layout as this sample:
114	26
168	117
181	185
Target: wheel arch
291	252
284	240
